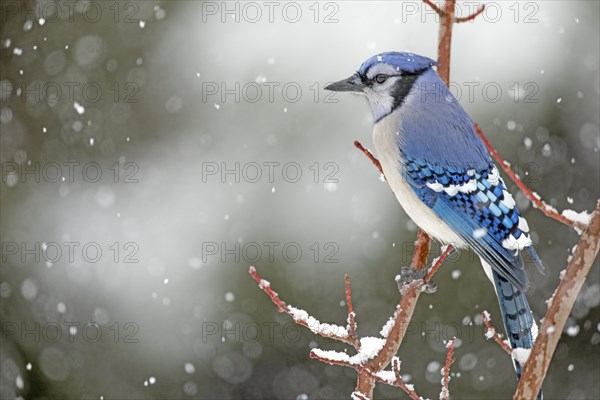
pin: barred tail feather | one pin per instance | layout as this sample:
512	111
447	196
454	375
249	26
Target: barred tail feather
521	328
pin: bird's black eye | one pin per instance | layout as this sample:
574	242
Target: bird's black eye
381	78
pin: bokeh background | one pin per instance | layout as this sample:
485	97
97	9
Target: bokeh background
127	232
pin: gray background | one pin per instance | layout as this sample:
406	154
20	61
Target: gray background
194	321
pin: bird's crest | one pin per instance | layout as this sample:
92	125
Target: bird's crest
408	62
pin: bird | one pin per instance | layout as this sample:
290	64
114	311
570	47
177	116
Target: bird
444	178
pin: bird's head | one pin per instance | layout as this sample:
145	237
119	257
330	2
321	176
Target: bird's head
386	79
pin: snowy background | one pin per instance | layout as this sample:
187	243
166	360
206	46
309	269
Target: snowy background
123	123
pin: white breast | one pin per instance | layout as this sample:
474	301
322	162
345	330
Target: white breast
384	137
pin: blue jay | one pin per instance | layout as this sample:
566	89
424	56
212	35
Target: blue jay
444	178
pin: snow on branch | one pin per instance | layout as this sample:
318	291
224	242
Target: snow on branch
520	355
492	333
445	393
301	317
373	354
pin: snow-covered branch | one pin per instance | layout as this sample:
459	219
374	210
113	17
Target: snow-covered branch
445	393
301	317
492	333
373	354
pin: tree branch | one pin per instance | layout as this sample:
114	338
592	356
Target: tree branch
445	394
434	8
580	262
368	153
301	317
351	315
470	17
445	40
533	197
492	333
437	263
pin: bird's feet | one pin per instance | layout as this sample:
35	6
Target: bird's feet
410	275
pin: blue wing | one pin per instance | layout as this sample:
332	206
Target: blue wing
474	202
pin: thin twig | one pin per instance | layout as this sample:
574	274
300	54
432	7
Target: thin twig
533	197
266	287
332	361
400	383
470	17
351	315
302	318
438	263
397	382
491	333
358	396
435	8
364	369
445	393
368	153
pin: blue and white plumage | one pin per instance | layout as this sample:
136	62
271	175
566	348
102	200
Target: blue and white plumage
444	178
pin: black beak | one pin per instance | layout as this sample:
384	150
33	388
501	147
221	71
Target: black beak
352	84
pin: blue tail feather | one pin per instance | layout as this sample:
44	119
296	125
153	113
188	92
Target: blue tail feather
518	318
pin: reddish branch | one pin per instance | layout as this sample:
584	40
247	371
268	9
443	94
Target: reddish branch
492	333
434	7
368	153
444	13
399	382
562	302
419	258
438	263
445	40
351	316
402	316
470	17
375	376
266	287
444	395
332	361
534	198
370	370
326	330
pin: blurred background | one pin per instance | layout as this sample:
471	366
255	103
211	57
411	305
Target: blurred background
153	150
